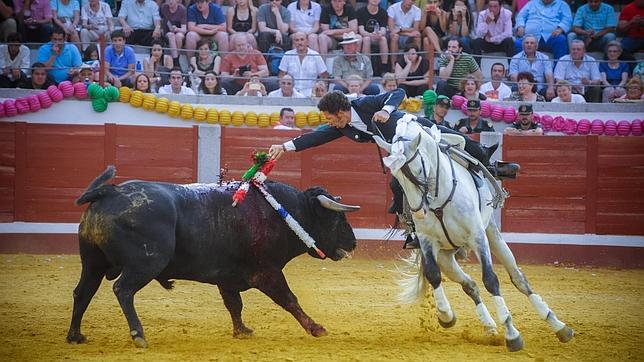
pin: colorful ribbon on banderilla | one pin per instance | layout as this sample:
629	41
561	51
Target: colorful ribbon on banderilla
256	175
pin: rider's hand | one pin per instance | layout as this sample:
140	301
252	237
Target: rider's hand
381	116
276	151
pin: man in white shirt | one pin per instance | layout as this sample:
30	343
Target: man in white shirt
303	64
404	19
14	60
176	84
496	90
286	89
287	119
582	71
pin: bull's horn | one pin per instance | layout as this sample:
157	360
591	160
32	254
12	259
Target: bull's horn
336	206
382	143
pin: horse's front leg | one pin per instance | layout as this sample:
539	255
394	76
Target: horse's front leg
431	270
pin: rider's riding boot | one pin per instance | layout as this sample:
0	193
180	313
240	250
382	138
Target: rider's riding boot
504	170
396	206
489	151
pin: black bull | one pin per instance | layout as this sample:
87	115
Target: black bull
142	231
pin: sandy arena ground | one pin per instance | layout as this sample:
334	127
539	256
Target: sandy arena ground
354	299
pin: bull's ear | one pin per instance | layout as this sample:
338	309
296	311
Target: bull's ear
331	204
382	143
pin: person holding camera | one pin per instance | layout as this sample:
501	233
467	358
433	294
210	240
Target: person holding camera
176	84
241	64
253	88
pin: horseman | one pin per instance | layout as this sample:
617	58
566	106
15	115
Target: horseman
362	118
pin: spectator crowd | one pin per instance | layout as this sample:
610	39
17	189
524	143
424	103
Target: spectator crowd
303	48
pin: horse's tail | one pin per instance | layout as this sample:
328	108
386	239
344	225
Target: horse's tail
412	278
94	191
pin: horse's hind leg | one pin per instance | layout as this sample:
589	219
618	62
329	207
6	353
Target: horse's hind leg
454	272
503	253
432	272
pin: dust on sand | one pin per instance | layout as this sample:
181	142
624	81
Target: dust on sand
354	299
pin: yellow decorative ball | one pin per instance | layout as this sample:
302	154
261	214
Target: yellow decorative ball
414	105
238	118
313	118
251	119
212	116
200	114
136	100
186	112
300	119
149	102
224	117
323	120
264	120
162	105
275	118
174	108
124	94
403	104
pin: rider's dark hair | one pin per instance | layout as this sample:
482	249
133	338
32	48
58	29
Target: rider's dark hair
334	102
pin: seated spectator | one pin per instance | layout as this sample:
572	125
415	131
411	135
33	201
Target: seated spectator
305	18
211	84
614	73
39	78
96	18
455	65
242	19
473	123
287	119
14	61
549	21
639	69
595	24
335	21
525	124
320	88
304	64
157	66
494	31
565	94
206	21
119	61
85	75
582	71
531	60
140	21
66	14
634	92
286	88
90	54
403	23
412	72
433	25
7	21
61	58
631	23
389	82
458	24
372	25
439	111
354	83
496	90
205	61
238	66
272	22
142	83
352	62
253	88
36	21
527	89
174	17
471	89
176	85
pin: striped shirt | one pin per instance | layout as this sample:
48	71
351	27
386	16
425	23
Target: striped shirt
463	66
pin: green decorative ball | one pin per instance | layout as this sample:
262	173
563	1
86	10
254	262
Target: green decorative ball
112	93
95	91
429	97
99	104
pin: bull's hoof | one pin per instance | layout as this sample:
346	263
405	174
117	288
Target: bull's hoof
514	344
449	324
565	334
243	333
140	342
76	338
318	331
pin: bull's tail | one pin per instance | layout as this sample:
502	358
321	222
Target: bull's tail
412	278
94	191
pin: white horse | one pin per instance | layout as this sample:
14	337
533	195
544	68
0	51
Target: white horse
450	213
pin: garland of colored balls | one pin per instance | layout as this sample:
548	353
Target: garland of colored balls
43	99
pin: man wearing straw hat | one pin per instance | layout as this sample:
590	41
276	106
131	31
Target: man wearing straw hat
351	62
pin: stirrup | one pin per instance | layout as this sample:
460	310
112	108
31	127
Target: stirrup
411	242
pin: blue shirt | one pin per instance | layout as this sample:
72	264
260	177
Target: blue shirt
598	20
215	15
613	76
541	20
69	58
541	66
65	11
119	62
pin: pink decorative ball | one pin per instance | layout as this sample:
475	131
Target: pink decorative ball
34	103
10	109
636	127
54	93
536	118
559	123
583	127
510	115
80	90
610	128
497	113
1	109
22	105
597	127
486	109
45	99
66	88
546	122
571	127
457	101
623	128
464	108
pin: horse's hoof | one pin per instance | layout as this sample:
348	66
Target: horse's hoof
449	324
76	339
514	344
491	332
565	334
318	331
140	342
243	333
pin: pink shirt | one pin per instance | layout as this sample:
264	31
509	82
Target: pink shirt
40	9
498	30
